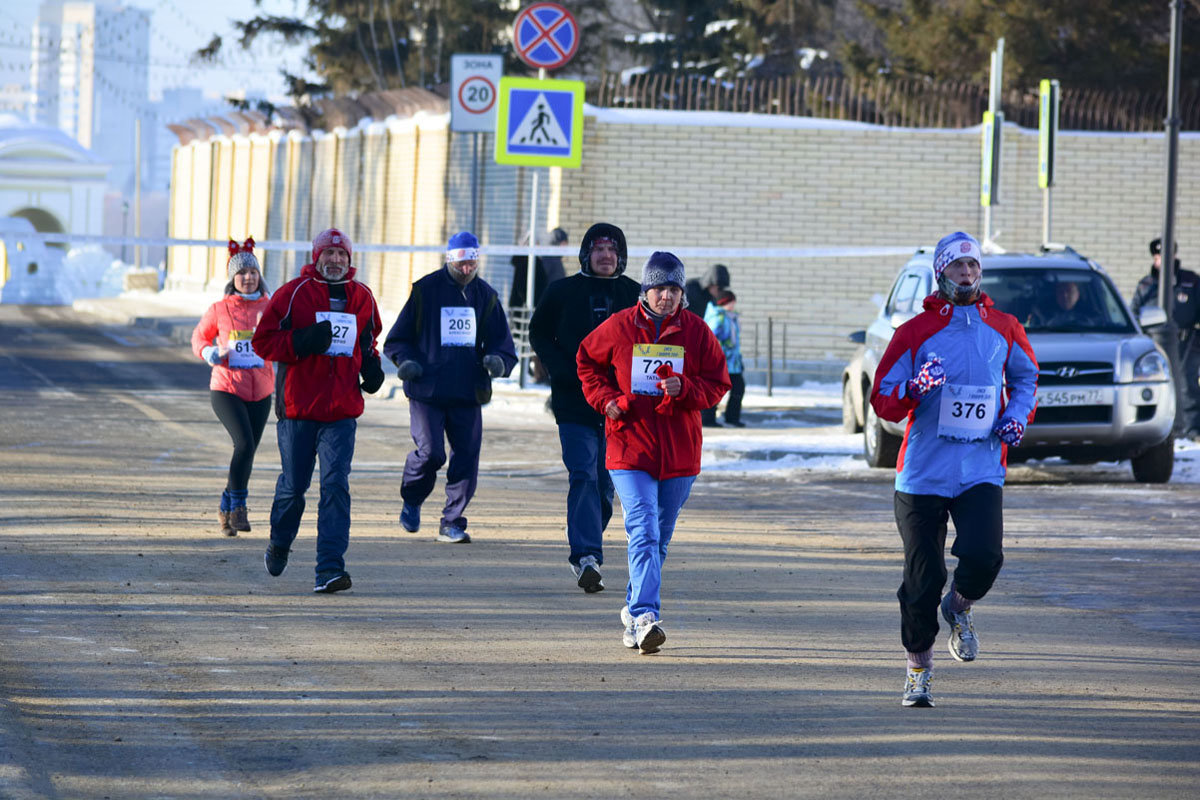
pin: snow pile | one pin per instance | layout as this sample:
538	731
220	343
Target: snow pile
43	275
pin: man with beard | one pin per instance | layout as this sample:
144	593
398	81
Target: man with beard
320	329
570	310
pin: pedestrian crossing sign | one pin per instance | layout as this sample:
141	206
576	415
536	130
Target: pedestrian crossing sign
539	123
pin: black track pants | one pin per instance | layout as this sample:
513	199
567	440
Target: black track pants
245	421
978	539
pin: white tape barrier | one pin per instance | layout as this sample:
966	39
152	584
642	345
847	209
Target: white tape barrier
491	249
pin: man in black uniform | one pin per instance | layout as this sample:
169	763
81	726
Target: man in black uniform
1186	313
569	310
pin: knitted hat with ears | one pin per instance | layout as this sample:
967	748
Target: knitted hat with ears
241	256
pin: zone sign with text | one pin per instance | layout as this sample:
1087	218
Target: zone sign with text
474	91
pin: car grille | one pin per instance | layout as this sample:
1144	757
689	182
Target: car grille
1075	373
1059	415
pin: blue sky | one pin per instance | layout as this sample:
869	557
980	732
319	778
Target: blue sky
177	29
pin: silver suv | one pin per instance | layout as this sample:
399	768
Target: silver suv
1104	387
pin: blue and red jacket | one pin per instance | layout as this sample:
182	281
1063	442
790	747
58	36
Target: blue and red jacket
979	345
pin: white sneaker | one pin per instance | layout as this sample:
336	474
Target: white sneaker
963	643
650	634
629	635
916	688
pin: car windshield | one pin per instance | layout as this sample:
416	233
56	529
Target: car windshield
1058	300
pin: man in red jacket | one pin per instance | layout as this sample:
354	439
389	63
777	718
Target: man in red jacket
320	329
651	369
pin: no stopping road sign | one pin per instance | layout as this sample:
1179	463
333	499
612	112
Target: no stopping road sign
545	35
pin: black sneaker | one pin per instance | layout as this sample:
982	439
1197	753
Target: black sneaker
276	559
330	582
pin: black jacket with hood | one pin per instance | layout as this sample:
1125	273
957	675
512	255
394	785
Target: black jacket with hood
696	290
569	310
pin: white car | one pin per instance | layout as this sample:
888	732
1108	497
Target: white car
1104	387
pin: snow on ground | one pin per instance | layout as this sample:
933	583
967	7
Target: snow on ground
796	429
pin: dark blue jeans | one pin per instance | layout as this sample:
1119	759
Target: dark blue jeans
431	425
590	496
301	441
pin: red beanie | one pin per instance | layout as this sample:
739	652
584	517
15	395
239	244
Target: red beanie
330	238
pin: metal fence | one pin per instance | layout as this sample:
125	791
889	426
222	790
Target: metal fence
898	102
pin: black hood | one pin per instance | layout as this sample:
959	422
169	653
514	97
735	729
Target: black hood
608	231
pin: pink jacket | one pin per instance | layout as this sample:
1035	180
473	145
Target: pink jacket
232	313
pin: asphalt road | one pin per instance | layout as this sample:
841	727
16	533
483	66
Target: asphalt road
146	656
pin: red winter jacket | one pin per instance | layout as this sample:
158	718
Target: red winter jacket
657	434
232	313
320	388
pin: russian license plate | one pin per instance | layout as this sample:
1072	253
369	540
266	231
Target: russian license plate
1047	398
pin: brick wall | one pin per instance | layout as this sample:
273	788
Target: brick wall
685	179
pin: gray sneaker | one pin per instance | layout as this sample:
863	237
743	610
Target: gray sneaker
650	634
916	688
963	644
588	574
629	636
453	535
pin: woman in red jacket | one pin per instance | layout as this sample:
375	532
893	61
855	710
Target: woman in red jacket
651	370
241	380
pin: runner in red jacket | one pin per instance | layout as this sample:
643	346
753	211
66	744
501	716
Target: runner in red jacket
650	370
320	329
241	379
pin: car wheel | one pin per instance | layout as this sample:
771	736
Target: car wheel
880	447
849	417
1156	464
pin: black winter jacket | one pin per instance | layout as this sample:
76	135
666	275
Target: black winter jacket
571	309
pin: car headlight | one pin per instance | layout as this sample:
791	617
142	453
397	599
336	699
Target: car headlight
1150	367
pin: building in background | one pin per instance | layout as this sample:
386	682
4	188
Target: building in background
90	78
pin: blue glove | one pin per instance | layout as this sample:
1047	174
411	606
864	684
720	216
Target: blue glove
212	355
494	365
1010	431
931	375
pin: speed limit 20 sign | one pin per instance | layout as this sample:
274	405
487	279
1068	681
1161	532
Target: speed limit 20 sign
474	81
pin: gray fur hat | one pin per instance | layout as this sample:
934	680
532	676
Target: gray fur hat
662	269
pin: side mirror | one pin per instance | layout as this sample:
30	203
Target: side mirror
1151	316
857	337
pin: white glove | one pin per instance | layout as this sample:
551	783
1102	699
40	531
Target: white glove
212	355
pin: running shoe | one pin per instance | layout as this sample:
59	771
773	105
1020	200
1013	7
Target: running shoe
410	518
963	644
650	633
276	559
916	688
330	582
588	575
453	535
629	635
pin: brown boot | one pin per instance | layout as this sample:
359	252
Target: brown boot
224	517
238	520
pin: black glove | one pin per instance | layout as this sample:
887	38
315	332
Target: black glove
314	339
494	365
409	370
372	374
